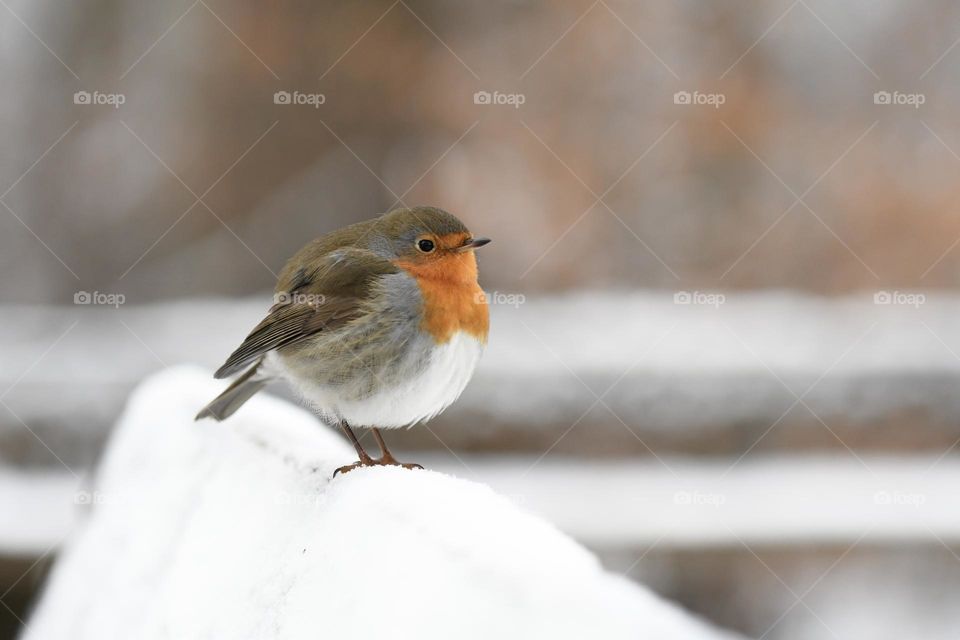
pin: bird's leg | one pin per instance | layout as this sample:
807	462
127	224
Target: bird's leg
386	458
365	459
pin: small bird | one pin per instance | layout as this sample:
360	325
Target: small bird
379	324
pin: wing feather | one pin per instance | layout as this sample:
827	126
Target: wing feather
314	300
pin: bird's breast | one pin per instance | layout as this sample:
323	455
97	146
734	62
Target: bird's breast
448	310
452	302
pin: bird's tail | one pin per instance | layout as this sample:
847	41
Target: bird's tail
234	396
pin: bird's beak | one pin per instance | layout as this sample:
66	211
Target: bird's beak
476	243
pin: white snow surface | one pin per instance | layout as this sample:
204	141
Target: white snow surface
802	501
675	371
236	530
616	504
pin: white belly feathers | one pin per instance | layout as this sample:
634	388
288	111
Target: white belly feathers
421	394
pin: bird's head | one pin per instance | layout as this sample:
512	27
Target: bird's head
430	243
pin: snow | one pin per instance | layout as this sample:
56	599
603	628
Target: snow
236	530
618	504
676	372
788	331
803	501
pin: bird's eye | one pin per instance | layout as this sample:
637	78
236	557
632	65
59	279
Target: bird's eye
425	245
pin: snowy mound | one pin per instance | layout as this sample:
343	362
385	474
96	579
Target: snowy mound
236	530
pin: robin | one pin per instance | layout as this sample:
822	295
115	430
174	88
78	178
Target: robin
379	324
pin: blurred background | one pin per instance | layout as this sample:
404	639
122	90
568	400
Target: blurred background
724	273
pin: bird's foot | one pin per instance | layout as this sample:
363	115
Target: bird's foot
364	461
386	461
389	460
350	467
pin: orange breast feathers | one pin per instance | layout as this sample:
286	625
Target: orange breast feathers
452	298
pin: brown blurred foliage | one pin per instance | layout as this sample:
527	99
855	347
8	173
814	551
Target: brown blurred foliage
692	196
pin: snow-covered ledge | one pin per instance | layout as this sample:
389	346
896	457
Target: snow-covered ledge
236	530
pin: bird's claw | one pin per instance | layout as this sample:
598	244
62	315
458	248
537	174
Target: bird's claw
385	461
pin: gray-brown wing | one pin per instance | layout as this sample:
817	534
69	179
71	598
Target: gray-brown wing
322	298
